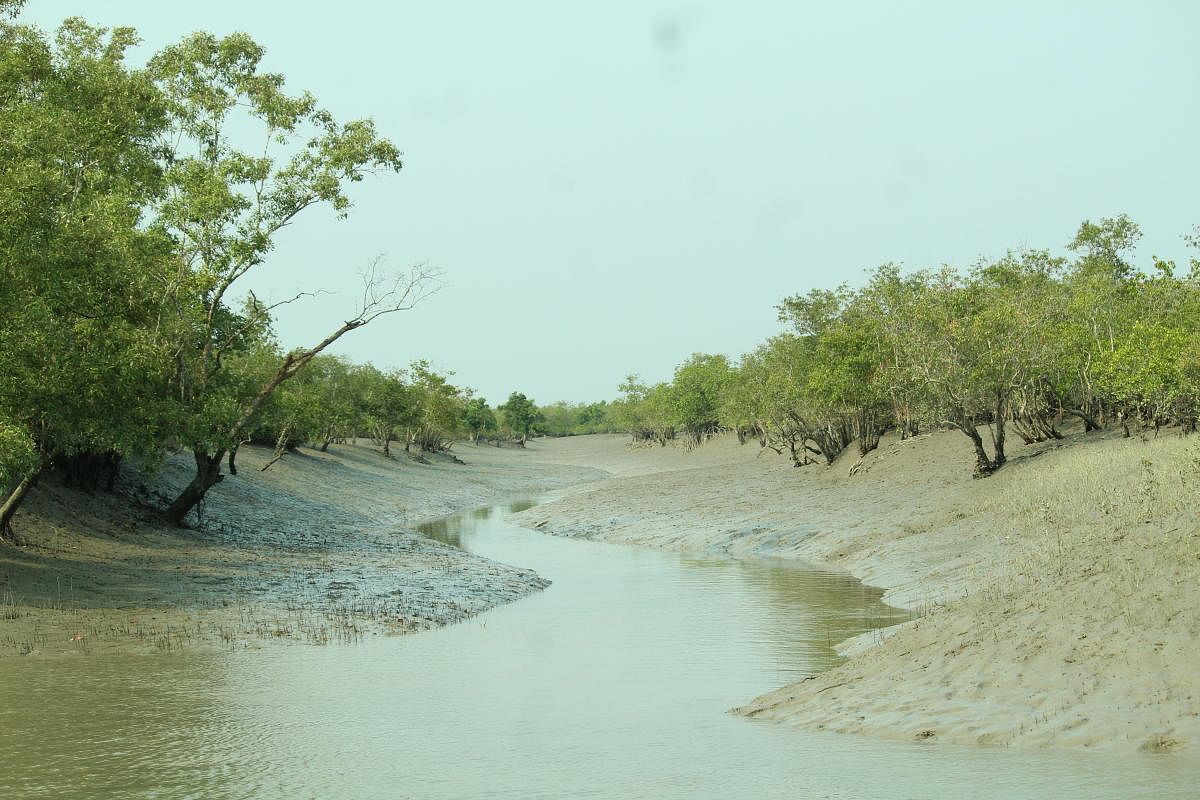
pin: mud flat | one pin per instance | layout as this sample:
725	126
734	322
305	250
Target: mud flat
1057	600
321	547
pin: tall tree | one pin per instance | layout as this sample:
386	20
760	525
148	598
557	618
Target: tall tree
441	409
479	418
520	414
82	372
224	207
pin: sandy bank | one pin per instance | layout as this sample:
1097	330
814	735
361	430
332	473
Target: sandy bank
319	548
1057	599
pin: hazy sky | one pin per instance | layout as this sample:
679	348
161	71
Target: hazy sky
610	188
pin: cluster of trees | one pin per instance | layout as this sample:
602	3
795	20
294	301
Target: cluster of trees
515	420
1010	345
575	419
133	203
691	404
333	400
519	418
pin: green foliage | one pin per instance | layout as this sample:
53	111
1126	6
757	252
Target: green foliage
697	394
83	366
575	419
18	454
628	412
646	412
520	415
312	407
225	203
389	407
1106	243
131	204
479	418
441	408
1151	372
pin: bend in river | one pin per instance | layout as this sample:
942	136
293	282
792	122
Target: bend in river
612	683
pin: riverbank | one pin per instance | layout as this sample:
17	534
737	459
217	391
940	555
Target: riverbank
1056	599
318	548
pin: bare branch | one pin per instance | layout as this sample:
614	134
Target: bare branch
400	291
382	294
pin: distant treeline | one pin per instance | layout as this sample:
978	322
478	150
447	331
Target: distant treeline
1017	344
576	419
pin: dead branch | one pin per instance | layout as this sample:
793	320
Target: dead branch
382	294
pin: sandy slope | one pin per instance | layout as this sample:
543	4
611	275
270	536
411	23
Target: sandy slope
1058	598
317	548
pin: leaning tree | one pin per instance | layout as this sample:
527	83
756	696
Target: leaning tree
224	207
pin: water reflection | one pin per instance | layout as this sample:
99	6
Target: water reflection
457	529
521	505
449	530
804	612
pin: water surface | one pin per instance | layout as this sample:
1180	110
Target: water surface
613	683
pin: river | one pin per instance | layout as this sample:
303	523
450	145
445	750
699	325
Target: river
612	683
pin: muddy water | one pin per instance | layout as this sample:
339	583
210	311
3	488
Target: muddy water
610	684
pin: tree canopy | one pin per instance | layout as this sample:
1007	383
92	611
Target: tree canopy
132	203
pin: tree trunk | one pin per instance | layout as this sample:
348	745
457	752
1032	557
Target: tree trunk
13	501
208	475
984	465
232	459
998	439
792	444
387	446
868	432
208	468
1089	422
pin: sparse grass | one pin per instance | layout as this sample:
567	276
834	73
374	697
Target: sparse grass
10	608
1116	485
1122	519
54	628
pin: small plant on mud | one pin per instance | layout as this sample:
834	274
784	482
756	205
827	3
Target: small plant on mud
1148	491
9	607
1189	470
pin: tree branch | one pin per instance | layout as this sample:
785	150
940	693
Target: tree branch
382	294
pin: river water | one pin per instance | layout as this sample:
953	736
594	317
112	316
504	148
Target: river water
613	683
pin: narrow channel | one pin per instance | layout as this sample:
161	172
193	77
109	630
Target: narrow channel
612	683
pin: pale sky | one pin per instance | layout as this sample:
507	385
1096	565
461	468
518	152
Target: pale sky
610	187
